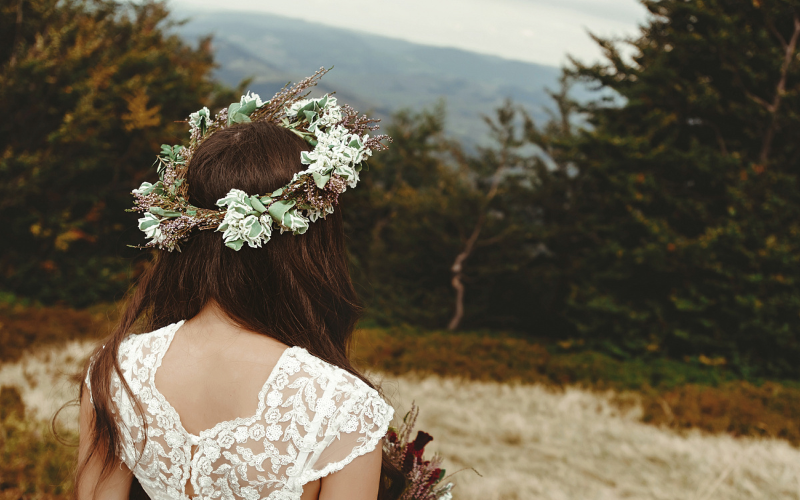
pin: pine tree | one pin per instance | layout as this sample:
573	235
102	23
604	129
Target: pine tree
680	232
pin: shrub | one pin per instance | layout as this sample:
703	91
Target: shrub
34	465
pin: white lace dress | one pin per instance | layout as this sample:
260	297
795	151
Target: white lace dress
313	418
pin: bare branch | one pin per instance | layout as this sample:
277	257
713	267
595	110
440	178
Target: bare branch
780	90
458	265
769	107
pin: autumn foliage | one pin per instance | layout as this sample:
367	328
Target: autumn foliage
89	89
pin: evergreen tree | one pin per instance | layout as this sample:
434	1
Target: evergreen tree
425	204
678	230
89	89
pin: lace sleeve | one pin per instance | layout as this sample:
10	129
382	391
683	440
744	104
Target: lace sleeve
355	428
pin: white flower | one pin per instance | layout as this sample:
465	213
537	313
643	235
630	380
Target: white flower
272	416
241	223
274	432
173	438
326	407
204	466
292	110
151	227
233	196
326	111
337	151
211	449
240	228
280	381
347	173
291	365
199	118
274	398
240	434
176	455
331	115
257	432
294	221
251	97
249	493
351	424
225	441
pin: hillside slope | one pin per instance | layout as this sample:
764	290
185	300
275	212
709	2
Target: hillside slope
374	73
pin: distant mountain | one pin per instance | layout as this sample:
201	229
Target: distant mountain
372	73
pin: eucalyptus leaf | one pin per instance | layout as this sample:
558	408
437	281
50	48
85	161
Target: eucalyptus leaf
248	108
238	118
232	109
149	223
255	230
256	204
164	213
279	208
235	244
320	180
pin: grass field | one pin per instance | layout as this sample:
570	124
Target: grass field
527	441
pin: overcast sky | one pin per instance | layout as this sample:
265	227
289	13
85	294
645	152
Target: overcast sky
541	31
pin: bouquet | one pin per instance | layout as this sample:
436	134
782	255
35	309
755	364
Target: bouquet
423	477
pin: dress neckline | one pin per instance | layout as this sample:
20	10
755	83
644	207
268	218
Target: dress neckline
212	431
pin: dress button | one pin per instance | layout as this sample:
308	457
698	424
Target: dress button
194	440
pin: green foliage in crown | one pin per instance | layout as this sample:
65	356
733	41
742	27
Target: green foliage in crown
341	145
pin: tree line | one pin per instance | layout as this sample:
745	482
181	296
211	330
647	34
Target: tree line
659	218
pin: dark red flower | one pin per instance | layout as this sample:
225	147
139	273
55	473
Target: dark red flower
422	439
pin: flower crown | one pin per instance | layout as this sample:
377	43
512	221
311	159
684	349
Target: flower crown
341	145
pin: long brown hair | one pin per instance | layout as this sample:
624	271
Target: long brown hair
296	289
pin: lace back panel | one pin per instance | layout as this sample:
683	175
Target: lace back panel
313	418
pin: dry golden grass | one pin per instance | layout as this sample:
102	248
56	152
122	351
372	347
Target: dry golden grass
673	393
530	442
527	440
48	377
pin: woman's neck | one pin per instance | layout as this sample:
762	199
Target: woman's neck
212	327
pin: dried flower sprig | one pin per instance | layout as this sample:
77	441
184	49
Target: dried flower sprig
341	144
